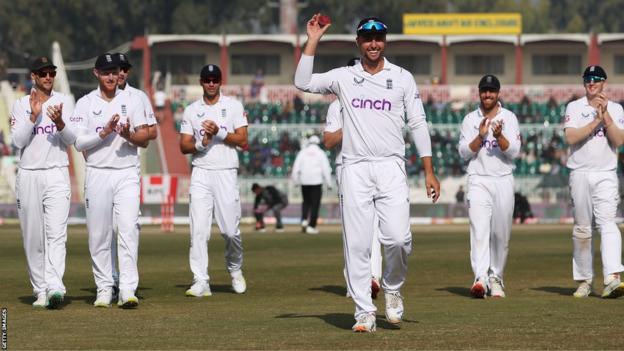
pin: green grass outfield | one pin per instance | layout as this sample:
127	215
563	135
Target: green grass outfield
295	297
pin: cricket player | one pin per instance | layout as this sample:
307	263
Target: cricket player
594	130
332	137
140	98
377	98
489	141
212	128
42	186
113	126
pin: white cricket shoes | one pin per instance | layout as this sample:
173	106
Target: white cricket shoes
496	287
41	301
394	307
55	299
304	225
614	287
199	289
239	285
584	290
311	230
365	323
479	289
127	299
103	299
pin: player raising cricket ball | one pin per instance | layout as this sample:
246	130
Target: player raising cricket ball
378	99
593	129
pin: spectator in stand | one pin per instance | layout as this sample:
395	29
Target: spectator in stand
256	84
298	103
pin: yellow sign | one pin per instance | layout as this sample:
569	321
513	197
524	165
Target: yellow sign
462	23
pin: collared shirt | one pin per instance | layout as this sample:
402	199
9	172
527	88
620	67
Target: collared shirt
93	112
376	108
40	144
490	160
333	123
228	114
594	153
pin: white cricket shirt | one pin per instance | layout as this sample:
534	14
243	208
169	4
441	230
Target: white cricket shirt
375	108
594	153
40	144
147	104
228	114
93	112
490	160
333	123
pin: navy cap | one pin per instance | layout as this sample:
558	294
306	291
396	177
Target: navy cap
106	61
210	71
40	63
489	81
123	60
595	71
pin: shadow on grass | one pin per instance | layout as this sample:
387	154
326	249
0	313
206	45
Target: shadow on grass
219	288
555	290
68	300
332	289
461	291
343	320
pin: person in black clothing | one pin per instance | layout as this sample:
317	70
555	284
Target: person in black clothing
268	198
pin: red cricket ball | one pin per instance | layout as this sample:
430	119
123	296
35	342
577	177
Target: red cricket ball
324	20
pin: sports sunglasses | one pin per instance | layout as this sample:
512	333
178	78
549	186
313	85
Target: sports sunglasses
371	26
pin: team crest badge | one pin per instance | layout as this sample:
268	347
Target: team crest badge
124	110
389	84
223	112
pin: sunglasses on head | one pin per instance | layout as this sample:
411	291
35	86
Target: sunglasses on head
211	80
593	79
43	74
371	26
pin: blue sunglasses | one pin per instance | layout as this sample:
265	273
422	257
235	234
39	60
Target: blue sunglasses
371	26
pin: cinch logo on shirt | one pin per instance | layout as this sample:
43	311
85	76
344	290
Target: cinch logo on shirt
489	144
75	119
371	104
49	129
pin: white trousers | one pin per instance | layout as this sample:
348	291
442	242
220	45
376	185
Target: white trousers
112	200
43	198
214	192
368	190
595	198
376	259
490	209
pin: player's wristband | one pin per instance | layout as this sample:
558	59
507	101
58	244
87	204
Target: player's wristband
222	134
199	145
